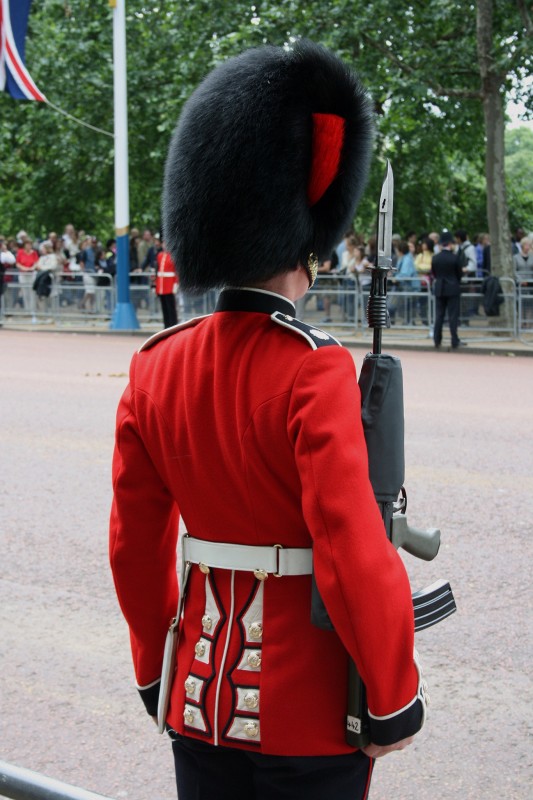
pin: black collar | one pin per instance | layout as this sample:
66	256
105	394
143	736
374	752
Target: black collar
253	300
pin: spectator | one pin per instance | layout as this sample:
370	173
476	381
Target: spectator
447	273
7	261
329	268
341	247
480	242
523	261
434	236
134	257
362	267
111	257
423	268
516	241
424	257
49	266
143	245
26	259
70	240
88	266
150	260
350	276
405	280
466	253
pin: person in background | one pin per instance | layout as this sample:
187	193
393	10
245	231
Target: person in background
7	261
423	268
88	267
150	260
48	266
447	273
143	245
434	236
466	253
404	280
111	257
166	284
26	259
523	260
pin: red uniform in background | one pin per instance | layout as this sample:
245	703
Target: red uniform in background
165	286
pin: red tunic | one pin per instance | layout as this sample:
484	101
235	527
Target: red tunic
256	437
166	277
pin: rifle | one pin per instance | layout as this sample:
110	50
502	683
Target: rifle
381	385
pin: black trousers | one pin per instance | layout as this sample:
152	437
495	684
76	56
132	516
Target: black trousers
205	772
168	307
450	304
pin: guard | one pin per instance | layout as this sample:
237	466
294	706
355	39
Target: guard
247	425
166	282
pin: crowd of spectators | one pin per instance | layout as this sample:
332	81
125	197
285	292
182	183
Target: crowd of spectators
39	267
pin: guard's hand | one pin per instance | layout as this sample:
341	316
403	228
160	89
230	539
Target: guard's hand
378	751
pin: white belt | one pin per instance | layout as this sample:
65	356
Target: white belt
276	560
166	274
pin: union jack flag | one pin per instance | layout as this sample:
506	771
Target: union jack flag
14	77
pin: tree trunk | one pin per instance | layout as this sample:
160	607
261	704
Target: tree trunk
493	109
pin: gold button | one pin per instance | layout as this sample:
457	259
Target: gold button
251	729
251	699
204	568
199	648
254	660
207	622
190	686
188	715
255	630
261	574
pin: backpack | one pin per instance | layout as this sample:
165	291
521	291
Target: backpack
461	256
492	296
42	285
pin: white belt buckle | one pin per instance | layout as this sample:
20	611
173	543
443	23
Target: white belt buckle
277	573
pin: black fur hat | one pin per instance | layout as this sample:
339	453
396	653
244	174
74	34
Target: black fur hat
266	166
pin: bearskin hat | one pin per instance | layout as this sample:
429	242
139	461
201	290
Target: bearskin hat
266	166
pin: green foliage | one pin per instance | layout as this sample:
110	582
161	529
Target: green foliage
417	58
519	172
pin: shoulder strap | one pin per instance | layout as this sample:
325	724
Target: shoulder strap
166	332
314	336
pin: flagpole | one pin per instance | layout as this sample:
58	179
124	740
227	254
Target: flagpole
124	316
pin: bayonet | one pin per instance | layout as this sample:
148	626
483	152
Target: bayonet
377	314
384	240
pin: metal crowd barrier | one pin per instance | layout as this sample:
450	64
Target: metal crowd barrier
472	313
340	302
18	783
525	311
335	302
71	298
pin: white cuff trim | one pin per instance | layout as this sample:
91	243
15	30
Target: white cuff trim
148	685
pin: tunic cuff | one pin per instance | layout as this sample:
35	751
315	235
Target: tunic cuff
150	696
395	727
407	721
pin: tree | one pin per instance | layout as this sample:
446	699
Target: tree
418	58
519	169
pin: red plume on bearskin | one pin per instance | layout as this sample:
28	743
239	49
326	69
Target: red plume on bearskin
266	166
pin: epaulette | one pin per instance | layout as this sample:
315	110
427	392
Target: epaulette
314	336
157	337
